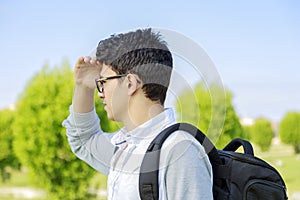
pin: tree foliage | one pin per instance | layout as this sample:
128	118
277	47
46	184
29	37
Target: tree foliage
247	132
262	133
7	157
211	110
289	130
40	139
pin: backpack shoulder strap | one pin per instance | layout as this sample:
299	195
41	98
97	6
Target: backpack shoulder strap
148	179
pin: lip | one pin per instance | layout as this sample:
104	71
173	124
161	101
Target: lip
104	105
105	108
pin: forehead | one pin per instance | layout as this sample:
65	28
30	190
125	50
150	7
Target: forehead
106	71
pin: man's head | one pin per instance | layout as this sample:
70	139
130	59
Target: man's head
143	53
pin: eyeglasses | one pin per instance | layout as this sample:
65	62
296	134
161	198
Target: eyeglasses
101	81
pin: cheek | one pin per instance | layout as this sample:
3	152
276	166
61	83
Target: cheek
111	95
119	98
109	91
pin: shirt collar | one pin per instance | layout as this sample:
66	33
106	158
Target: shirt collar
146	131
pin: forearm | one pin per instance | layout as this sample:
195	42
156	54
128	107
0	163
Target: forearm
87	141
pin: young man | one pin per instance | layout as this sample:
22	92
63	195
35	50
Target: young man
132	73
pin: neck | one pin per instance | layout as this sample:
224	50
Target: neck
141	112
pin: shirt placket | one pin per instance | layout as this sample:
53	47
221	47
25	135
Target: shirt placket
116	160
121	157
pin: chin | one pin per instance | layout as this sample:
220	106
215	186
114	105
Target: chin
110	116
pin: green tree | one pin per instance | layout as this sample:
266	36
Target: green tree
247	132
41	142
289	130
8	160
211	110
262	133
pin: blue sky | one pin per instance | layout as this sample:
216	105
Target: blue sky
255	45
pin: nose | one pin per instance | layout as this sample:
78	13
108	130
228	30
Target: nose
101	95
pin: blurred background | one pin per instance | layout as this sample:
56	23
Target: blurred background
254	46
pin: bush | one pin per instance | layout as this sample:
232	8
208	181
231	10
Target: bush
289	130
262	133
41	142
7	157
211	110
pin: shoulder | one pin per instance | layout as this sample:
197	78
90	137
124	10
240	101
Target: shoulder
184	139
181	145
184	163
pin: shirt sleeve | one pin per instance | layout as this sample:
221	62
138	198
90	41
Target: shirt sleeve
87	141
188	173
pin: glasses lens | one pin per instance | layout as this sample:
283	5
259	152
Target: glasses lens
99	85
101	81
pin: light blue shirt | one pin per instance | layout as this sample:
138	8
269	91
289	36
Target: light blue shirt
185	171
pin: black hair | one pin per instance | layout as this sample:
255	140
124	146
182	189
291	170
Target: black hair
140	52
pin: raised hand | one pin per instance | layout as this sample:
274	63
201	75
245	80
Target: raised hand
86	70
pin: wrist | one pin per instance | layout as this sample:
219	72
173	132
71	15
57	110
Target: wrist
83	99
83	88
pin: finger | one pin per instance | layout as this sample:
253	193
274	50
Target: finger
93	61
99	62
87	59
99	65
79	62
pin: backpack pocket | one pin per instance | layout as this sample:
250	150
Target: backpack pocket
258	189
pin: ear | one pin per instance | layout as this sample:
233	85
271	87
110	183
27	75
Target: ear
132	84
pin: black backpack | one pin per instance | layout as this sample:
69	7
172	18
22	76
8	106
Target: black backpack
236	176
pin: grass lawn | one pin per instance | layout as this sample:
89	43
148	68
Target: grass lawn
20	179
282	158
279	156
